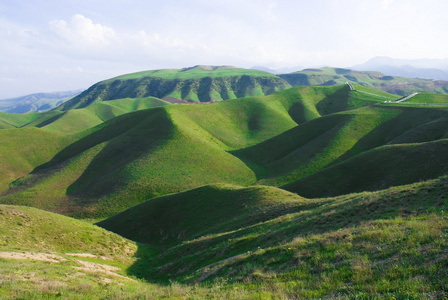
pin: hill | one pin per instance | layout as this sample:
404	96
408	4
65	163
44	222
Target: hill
48	255
38	102
131	158
428	98
392	84
358	245
224	241
102	168
196	84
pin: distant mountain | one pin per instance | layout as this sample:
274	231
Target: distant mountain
419	68
278	71
195	84
38	102
391	84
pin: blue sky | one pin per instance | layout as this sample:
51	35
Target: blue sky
49	45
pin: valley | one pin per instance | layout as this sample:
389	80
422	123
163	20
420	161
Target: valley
272	188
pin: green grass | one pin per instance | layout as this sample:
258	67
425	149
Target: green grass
126	159
268	242
428	98
194	73
376	169
198	84
24	149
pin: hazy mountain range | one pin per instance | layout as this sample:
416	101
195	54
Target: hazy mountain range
38	102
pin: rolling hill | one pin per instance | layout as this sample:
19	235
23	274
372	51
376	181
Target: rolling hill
367	244
392	84
101	160
195	84
308	192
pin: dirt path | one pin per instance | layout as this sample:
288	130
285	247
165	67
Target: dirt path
33	256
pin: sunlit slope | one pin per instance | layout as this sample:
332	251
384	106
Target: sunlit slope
24	149
76	121
137	156
284	239
196	84
428	98
320	143
8	120
46	255
33	139
380	168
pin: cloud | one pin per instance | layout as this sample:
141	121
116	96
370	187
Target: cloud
82	31
386	3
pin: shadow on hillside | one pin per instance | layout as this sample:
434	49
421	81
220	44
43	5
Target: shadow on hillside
411	125
189	259
335	102
128	137
292	149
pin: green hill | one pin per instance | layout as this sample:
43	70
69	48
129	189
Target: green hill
383	167
196	84
184	182
185	216
428	98
45	255
114	160
323	142
134	157
391	84
367	244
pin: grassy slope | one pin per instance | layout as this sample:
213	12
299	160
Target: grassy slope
171	219
132	158
8	121
264	240
198	84
328	140
380	168
428	98
261	242
86	262
137	156
19	157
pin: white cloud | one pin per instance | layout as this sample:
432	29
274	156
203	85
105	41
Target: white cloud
82	31
386	3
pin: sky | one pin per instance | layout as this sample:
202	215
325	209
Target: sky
60	45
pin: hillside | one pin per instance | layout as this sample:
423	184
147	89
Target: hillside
308	192
196	84
392	84
428	98
260	237
131	158
49	255
113	160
